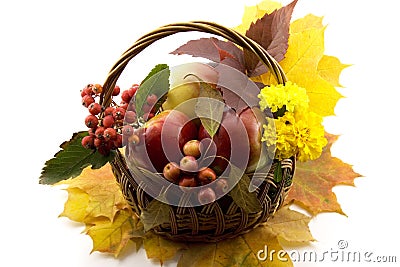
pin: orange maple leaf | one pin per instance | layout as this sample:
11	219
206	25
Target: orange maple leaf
314	180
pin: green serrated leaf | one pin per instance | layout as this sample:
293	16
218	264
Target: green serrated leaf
241	195
157	68
156	82
278	172
210	108
155	214
71	160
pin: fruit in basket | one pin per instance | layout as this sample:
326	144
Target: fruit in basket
206	195
172	172
206	176
252	119
192	148
185	86
226	135
223	146
189	164
188	181
221	186
164	137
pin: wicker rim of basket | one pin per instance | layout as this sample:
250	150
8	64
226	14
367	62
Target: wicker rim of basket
200	26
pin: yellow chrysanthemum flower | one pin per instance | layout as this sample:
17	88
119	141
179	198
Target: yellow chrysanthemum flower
310	135
299	133
289	95
284	137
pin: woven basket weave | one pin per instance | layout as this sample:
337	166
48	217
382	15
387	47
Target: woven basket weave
223	218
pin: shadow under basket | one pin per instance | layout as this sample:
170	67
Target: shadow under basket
223	218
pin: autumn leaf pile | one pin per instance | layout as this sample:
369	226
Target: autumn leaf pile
111	223
95	199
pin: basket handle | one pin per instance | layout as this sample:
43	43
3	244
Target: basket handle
200	26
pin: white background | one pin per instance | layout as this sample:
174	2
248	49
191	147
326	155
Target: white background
50	49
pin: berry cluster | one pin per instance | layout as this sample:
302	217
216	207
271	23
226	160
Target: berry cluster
188	173
106	123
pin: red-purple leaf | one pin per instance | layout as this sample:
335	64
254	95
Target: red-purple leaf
238	91
215	50
272	33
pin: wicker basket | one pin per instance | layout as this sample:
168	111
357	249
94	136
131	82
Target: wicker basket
223	218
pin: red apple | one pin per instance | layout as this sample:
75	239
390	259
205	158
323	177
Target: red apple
252	119
231	138
189	164
172	172
208	151
206	195
164	137
223	145
188	181
206	176
192	148
221	186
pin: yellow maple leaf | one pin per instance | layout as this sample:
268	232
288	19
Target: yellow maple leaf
250	249
306	65
329	68
253	13
95	198
76	205
310	21
161	249
112	236
104	197
290	225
